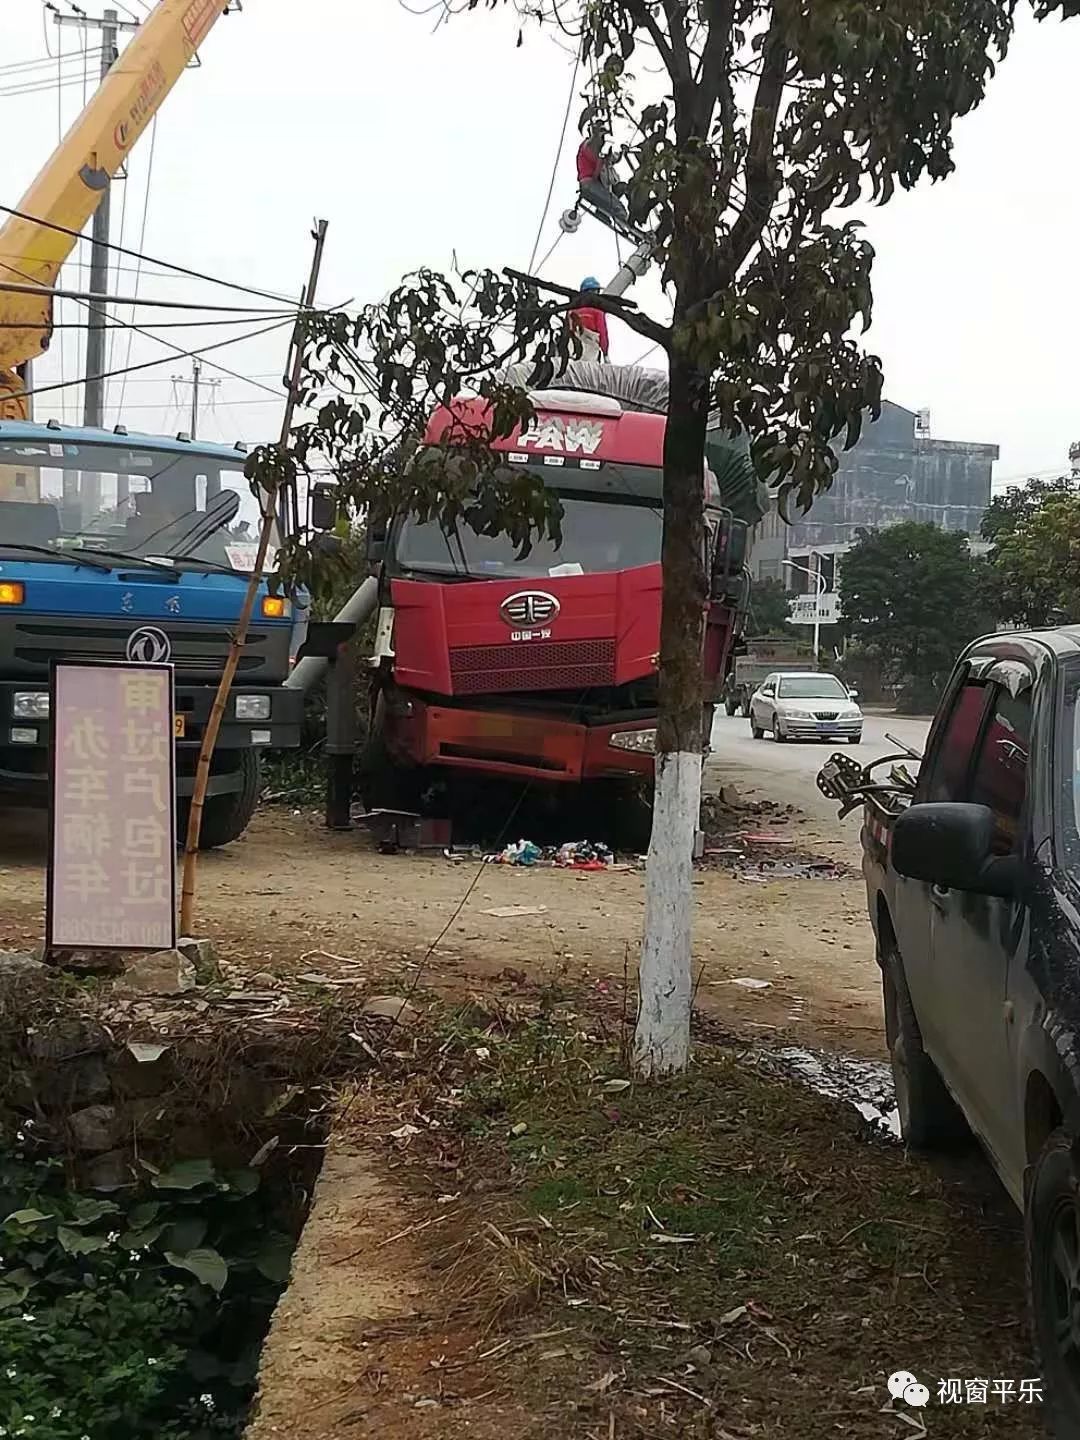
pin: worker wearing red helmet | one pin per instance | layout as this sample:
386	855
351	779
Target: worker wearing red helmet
589	322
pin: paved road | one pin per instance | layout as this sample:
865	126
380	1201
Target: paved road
787	773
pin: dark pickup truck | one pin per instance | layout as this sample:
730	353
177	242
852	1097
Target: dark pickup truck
972	871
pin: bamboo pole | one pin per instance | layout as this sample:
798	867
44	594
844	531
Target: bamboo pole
268	504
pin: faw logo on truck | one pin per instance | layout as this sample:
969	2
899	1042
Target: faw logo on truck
553	432
528	609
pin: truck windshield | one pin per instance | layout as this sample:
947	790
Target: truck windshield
122	499
811	687
597	536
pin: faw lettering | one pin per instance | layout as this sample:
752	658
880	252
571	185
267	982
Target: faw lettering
550	432
530	634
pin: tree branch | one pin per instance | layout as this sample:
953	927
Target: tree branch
642	16
761	183
617	305
714	79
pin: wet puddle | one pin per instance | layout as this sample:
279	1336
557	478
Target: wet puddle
865	1084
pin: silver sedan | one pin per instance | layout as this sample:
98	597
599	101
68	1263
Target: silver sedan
811	706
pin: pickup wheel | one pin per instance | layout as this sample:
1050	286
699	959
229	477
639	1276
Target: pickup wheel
929	1117
1052	1235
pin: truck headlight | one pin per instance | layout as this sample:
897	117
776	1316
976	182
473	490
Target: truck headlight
640	740
253	707
30	705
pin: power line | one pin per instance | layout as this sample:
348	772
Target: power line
164	359
555	164
138	263
101	297
167	264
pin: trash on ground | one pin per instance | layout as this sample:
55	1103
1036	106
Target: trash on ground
511	912
573	855
748	982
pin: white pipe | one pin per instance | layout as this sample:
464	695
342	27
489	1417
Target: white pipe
356	610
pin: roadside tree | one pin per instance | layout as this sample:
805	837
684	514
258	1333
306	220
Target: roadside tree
910	596
1033	570
738	130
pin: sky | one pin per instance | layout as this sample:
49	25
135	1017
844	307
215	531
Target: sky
425	145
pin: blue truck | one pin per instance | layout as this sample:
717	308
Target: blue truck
118	546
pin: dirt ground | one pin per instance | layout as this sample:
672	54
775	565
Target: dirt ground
289	889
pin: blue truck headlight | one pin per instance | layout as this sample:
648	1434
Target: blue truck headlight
30	705
640	740
253	707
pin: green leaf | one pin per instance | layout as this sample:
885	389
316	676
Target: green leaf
88	1210
26	1217
243	1182
206	1265
10	1297
187	1234
75	1243
143	1214
140	1239
187	1175
274	1260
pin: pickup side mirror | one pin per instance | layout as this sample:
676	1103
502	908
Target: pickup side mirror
952	846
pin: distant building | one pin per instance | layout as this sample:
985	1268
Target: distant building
896	472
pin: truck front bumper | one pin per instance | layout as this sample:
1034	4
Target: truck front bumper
25	738
498	742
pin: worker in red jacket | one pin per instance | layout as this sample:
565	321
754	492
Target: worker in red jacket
590	323
594	175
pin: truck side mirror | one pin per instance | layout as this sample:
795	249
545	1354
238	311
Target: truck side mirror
323	510
729	557
952	846
375	544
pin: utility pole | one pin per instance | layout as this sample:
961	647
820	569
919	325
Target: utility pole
198	384
110	26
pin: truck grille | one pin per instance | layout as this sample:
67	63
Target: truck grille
196	651
532	665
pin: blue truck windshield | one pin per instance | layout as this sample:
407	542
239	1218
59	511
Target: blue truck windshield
597	536
121	499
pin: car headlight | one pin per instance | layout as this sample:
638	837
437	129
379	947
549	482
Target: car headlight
30	705
797	715
253	707
639	740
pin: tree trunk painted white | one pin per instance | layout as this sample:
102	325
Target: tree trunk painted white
662	1037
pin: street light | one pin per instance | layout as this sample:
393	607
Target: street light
822	587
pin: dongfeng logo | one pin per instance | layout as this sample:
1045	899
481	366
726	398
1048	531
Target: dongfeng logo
148	646
529	607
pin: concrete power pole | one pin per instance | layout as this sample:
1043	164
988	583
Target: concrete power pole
94	403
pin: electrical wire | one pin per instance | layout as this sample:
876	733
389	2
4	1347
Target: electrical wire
32	288
555	163
152	260
556	243
138	263
190	354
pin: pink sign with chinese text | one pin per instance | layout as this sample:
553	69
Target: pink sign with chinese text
112	874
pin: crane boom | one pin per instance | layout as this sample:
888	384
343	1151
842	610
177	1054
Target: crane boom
35	243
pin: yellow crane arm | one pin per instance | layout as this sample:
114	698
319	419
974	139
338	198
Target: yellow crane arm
71	186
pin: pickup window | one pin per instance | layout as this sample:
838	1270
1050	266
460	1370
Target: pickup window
1000	777
983	756
952	763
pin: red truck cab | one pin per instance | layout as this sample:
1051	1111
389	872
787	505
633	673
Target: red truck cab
541	667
